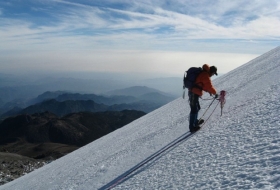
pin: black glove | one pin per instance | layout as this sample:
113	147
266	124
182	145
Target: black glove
216	96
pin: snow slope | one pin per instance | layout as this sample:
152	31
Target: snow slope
240	150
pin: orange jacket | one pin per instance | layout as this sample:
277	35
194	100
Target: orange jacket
204	81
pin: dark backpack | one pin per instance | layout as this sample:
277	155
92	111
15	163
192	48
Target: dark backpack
190	77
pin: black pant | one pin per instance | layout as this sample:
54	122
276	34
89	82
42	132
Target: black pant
195	107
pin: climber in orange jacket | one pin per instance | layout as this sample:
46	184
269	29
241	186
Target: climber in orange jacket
202	83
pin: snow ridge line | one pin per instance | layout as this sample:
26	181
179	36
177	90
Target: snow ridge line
122	177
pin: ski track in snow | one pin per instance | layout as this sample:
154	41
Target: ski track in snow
240	150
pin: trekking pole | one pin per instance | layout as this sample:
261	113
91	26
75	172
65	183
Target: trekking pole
184	91
222	100
207	109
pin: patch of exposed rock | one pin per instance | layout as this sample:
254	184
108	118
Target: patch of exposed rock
13	166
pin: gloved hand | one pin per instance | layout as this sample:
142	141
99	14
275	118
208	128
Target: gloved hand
216	96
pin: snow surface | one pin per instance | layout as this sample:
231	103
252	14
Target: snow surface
240	150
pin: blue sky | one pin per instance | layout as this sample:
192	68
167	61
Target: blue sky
145	36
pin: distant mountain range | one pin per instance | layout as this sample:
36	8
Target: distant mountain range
22	88
62	103
100	99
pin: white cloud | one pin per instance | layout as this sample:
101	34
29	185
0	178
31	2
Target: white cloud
92	19
145	28
265	27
